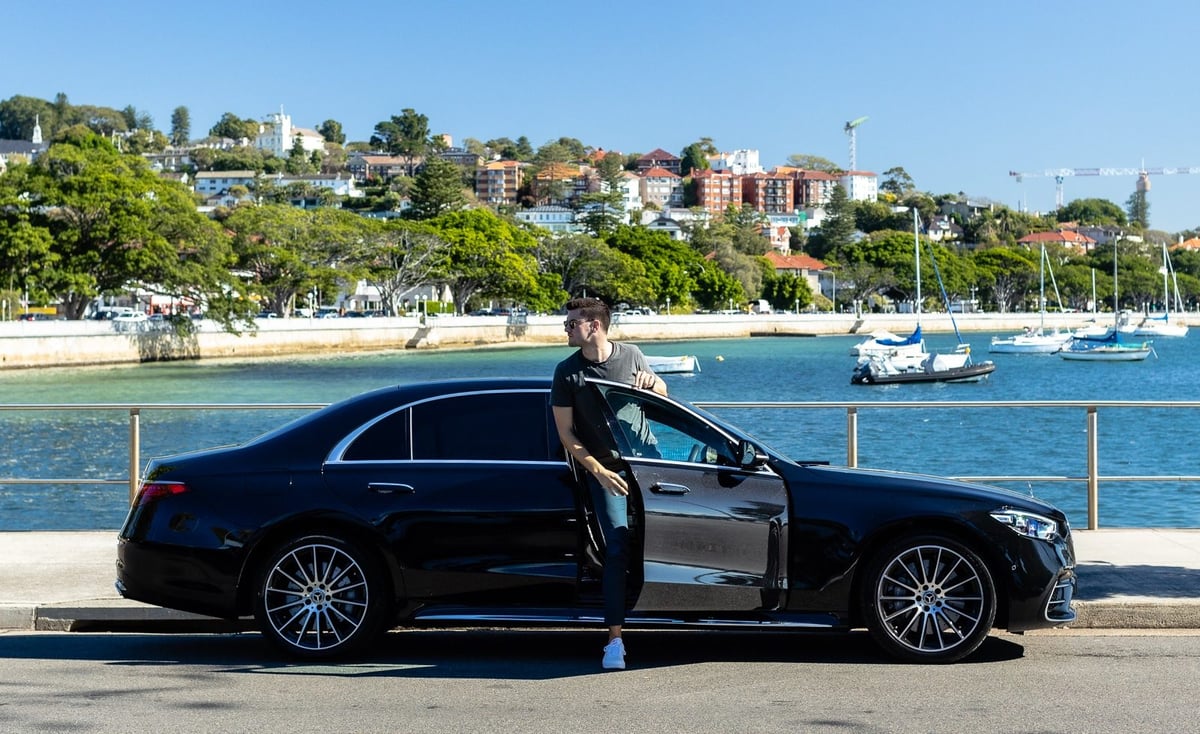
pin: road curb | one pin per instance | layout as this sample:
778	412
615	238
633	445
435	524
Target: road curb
1137	614
125	616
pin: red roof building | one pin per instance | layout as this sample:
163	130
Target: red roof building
1065	237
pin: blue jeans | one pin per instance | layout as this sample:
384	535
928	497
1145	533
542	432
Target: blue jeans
611	511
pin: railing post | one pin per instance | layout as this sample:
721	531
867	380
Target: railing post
852	437
1093	469
135	450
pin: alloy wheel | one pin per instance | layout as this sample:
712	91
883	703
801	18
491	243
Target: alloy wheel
315	598
933	601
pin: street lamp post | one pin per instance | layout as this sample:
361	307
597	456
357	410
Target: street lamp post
668	305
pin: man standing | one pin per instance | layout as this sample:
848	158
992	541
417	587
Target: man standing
582	430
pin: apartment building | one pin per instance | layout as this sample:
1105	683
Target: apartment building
716	191
497	183
769	193
661	187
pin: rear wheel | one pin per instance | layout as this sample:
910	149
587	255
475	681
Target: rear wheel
320	597
929	599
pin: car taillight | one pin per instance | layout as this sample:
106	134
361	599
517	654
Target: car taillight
153	491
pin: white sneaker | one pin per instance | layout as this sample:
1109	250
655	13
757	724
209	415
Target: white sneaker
614	655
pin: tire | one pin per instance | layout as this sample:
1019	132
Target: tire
320	597
929	599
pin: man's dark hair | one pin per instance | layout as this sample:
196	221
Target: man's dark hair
591	308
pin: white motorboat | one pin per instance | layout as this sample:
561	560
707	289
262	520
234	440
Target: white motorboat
884	342
685	364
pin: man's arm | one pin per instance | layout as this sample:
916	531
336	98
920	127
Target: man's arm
564	422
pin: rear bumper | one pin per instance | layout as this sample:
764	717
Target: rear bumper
175	578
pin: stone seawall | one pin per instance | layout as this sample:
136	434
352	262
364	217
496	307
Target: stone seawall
31	344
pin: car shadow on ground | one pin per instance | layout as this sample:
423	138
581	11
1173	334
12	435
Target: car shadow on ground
459	653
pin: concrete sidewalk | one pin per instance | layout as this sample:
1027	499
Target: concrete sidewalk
1128	579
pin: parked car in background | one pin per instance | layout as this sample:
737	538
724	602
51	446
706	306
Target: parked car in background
37	316
453	502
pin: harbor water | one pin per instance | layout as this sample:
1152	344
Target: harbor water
954	442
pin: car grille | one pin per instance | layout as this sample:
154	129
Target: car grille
1058	608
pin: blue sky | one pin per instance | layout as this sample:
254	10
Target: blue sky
957	93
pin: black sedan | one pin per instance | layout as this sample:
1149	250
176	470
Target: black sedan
454	503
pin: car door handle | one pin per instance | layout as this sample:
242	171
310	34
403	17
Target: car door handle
390	488
667	488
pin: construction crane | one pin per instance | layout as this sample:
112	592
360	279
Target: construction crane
1143	176
851	128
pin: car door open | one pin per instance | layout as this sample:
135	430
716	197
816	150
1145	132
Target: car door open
712	529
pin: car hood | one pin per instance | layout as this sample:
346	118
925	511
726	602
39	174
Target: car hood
892	483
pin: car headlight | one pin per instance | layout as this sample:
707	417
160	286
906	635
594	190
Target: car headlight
1027	523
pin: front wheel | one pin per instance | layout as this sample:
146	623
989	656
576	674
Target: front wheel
320	597
929	599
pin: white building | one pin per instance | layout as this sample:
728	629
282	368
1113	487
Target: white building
277	135
739	162
211	183
860	185
558	219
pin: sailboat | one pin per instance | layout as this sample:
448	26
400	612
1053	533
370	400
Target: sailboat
896	366
1163	325
1110	346
1034	340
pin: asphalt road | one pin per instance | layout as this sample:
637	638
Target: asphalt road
483	681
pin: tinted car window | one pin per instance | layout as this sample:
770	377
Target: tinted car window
652	429
508	426
387	440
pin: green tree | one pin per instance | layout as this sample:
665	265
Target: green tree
405	135
181	126
786	291
233	127
1098	212
437	189
1138	207
858	281
669	264
812	163
288	252
897	182
116	224
136	119
26	244
693	158
331	130
298	162
398	256
18	115
1006	275
488	257
716	289
837	231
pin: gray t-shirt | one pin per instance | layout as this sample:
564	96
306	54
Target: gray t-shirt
569	390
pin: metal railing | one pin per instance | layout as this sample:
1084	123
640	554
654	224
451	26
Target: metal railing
1091	408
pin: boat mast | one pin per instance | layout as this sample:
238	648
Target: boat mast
917	249
1042	293
1116	297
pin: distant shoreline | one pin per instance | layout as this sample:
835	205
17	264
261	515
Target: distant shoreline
38	344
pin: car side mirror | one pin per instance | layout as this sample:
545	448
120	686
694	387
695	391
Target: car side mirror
750	456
